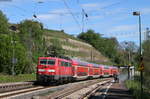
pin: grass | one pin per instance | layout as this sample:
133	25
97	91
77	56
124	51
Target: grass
49	34
59	34
68	44
134	87
17	78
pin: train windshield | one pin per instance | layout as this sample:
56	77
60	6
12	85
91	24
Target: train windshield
106	67
47	62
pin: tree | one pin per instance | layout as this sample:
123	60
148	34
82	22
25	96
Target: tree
90	37
129	46
4	27
7	49
130	54
55	49
146	59
107	46
31	35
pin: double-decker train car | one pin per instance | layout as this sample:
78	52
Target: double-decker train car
114	71
106	71
80	69
97	71
54	69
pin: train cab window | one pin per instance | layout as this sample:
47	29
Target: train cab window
106	67
43	62
47	62
51	62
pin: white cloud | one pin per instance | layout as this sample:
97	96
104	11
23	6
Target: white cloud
60	11
145	11
43	1
94	6
91	5
115	11
98	6
123	28
46	16
54	14
95	17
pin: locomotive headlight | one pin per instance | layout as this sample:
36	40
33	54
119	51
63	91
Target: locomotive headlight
51	70
41	70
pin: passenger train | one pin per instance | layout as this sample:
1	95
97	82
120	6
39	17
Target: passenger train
55	69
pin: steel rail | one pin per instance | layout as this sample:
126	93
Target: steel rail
6	87
73	89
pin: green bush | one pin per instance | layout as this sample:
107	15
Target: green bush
134	87
17	78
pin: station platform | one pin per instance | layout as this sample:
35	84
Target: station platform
113	91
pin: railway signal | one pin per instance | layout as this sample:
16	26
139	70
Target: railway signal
141	67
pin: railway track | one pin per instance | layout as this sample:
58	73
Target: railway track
57	92
27	93
13	93
6	87
77	91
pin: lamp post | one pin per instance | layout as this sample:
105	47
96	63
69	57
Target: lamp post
14	60
129	57
141	58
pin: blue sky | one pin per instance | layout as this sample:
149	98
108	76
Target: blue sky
112	18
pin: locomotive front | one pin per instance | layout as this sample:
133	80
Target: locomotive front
46	69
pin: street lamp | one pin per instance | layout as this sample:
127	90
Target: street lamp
138	14
141	58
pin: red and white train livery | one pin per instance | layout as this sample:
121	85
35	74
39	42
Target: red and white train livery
53	69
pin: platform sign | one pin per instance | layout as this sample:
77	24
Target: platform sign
141	67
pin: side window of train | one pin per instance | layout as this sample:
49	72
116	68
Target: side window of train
68	64
62	63
59	63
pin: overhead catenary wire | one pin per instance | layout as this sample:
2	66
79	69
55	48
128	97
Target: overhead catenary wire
65	3
19	8
87	18
84	15
23	11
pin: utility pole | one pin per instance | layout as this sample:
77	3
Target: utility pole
84	14
82	20
129	62
141	67
14	60
147	36
13	57
91	55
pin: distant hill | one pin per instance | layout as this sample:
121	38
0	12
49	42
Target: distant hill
75	47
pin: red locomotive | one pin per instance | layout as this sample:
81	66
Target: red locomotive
53	69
